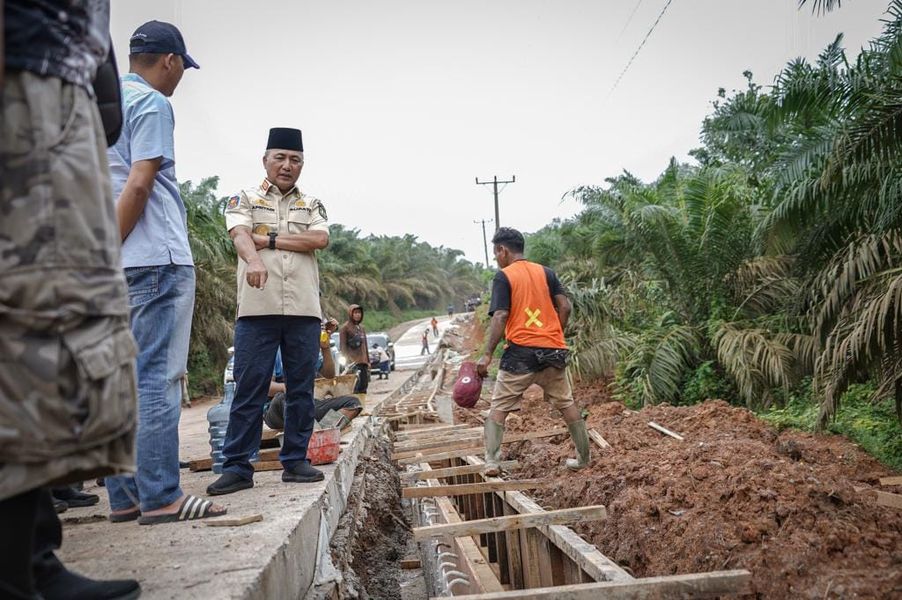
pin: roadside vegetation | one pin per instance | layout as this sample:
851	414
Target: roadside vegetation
769	271
395	278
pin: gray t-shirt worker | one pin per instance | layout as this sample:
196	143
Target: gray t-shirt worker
276	230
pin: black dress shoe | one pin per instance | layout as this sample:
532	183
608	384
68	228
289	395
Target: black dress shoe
229	483
72	586
60	506
75	498
302	473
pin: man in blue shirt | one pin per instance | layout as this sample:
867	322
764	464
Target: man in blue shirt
160	273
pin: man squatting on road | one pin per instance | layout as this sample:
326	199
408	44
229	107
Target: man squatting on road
276	230
530	310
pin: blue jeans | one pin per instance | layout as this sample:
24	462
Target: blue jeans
256	342
162	304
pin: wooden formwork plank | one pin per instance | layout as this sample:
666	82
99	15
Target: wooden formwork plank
470	558
428	458
515	557
517	521
501	542
510	438
415	430
695	585
453	471
471	488
894	480
665	431
887	499
595	564
539	548
488	504
408	450
600	441
414	456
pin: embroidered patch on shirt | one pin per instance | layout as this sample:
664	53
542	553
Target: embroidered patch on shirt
233	201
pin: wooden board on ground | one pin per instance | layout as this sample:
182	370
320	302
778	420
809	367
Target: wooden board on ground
887	499
665	431
471	488
596	437
696	585
233	522
407	451
415	456
894	480
452	471
410	563
564	516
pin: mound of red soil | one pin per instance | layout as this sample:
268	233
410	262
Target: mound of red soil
734	494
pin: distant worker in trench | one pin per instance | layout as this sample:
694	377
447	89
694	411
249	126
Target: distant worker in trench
276	230
530	310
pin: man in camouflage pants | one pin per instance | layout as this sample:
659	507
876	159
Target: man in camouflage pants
67	378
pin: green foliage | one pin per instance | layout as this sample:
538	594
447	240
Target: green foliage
768	274
706	383
872	425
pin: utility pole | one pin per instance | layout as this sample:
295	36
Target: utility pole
495	183
485	242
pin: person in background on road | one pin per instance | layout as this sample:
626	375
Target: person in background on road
352	343
67	369
277	231
434	324
382	359
159	270
450	310
425	340
530	310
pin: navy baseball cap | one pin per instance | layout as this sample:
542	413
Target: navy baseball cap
157	37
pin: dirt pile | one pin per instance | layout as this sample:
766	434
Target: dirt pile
734	494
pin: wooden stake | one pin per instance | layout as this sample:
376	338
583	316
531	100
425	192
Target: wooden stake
234	522
471	488
665	431
887	499
696	585
596	437
452	471
552	517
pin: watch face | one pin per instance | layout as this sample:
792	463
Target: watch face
261	229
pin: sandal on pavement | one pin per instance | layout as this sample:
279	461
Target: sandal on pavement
192	508
131	515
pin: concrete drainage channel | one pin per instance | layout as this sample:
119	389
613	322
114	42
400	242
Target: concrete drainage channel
373	537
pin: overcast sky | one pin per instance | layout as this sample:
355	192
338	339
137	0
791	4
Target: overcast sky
403	103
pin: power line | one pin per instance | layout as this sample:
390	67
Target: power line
629	19
636	53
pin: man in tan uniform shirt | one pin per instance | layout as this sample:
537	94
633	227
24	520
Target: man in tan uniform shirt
276	230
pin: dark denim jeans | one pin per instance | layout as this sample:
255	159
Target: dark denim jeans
162	305
256	342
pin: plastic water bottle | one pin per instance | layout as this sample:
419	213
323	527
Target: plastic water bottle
218	417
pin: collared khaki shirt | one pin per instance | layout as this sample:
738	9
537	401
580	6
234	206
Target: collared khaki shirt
292	284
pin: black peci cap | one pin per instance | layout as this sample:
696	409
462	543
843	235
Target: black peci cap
285	138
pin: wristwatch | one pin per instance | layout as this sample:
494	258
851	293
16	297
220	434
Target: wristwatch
272	240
